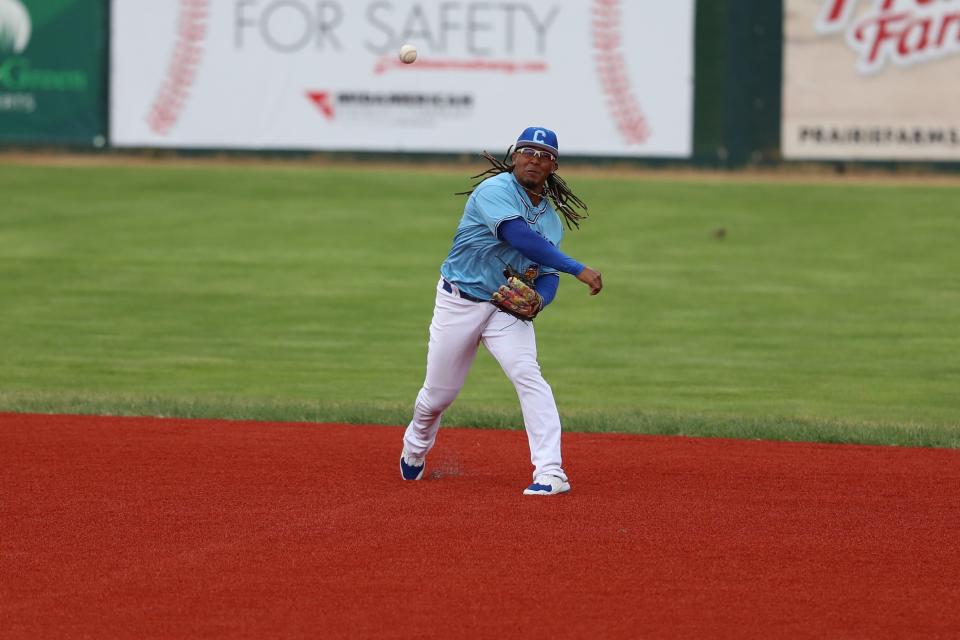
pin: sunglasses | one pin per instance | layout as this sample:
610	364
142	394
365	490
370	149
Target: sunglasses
536	153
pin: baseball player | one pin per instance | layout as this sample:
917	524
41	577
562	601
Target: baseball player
502	270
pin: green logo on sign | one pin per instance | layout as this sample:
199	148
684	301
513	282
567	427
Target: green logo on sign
16	73
14	26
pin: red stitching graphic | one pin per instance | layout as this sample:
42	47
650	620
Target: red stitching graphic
182	68
612	72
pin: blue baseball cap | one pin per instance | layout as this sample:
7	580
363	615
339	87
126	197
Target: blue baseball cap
539	137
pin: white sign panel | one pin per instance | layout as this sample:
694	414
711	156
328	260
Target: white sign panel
611	77
871	79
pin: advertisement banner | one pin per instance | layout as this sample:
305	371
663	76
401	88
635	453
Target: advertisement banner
871	80
52	71
612	77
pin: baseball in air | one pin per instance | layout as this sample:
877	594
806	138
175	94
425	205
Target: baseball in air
408	53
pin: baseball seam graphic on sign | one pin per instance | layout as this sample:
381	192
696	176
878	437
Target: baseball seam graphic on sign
612	73
15	26
182	69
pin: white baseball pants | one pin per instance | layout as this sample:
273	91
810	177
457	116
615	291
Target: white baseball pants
457	329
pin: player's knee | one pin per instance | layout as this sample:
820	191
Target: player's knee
526	374
435	401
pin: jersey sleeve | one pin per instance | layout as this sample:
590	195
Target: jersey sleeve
547	285
538	249
494	205
558	235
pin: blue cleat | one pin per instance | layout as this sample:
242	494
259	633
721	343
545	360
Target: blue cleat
546	485
411	467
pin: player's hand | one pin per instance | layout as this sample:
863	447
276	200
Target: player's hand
592	279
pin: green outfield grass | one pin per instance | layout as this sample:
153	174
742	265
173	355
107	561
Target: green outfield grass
827	312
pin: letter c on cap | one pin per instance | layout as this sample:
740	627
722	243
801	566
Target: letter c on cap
539	136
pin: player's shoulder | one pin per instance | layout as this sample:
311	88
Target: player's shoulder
502	182
554	226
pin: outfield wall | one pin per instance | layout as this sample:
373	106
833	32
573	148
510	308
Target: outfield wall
718	82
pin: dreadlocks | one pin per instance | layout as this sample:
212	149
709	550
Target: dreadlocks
563	198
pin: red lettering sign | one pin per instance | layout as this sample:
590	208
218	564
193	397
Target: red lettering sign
904	32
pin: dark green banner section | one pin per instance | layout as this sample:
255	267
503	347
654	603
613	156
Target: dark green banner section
53	58
738	74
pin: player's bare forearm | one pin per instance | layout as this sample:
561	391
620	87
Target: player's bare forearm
592	279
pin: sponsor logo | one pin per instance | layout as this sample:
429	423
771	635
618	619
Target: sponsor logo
461	36
15	27
902	32
880	137
397	103
17	74
322	101
20	81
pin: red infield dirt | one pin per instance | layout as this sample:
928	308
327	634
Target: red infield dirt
137	527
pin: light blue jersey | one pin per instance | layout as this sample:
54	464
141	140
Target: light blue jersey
478	257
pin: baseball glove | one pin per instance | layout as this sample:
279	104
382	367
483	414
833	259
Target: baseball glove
517	297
